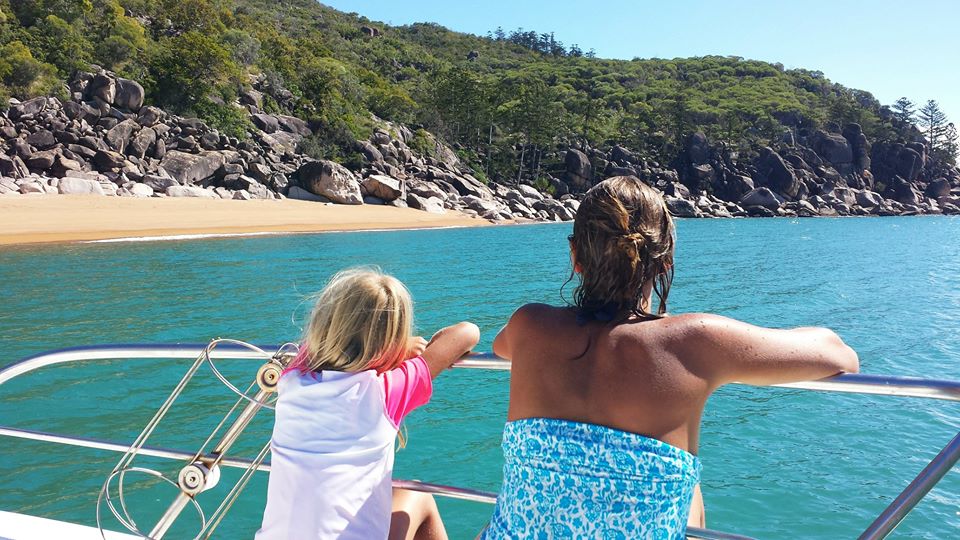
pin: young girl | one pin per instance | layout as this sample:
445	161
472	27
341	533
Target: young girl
341	401
606	396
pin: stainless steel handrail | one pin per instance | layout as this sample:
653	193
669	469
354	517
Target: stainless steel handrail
847	383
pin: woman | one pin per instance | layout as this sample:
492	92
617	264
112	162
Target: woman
606	396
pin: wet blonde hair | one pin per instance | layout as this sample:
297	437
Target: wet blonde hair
362	320
623	238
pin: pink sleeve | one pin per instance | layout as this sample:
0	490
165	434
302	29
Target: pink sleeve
406	387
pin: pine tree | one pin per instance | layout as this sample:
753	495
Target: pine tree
903	110
933	122
951	144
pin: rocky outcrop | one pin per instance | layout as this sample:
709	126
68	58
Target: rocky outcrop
106	140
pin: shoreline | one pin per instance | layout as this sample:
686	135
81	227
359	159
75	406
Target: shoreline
48	219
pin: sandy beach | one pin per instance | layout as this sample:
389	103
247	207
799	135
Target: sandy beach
57	218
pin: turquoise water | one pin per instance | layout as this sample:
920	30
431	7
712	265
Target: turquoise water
777	463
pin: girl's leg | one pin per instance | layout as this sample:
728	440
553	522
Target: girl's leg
415	517
698	516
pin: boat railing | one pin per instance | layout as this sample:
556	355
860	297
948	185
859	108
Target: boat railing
880	528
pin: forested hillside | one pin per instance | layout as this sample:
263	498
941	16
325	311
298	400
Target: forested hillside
511	104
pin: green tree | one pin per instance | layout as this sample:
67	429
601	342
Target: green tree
949	149
933	122
62	44
189	68
22	75
903	110
244	48
536	116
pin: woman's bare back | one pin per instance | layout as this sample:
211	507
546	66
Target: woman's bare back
653	376
622	376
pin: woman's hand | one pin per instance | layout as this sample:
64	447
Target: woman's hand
416	346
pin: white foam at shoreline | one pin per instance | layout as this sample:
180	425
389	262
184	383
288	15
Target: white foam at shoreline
180	237
203	236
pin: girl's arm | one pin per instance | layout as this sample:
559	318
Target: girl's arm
727	350
449	345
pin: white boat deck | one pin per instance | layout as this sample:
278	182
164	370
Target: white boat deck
23	527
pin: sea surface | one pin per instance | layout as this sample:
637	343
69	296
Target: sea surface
777	463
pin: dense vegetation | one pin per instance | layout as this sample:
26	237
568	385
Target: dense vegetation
504	101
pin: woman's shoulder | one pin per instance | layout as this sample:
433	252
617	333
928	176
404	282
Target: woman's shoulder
537	313
681	330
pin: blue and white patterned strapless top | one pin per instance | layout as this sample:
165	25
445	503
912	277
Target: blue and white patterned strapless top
564	479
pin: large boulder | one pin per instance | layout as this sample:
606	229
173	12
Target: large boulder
120	134
331	180
938	188
681	207
191	168
481	206
190	191
762	197
579	171
42	140
369	151
7	185
859	146
103	88
129	95
697	148
79	186
141	190
834	148
776	174
300	194
383	187
149	116
138	147
869	199
295	125
63	166
468	185
897	159
107	160
28	109
42	160
158	183
902	191
266	122
12	166
434	205
530	192
731	186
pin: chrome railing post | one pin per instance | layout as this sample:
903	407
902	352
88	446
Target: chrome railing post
917	490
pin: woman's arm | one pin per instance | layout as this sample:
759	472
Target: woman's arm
449	344
728	350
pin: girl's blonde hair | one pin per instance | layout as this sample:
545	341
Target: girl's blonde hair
362	320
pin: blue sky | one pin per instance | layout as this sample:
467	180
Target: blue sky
889	48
